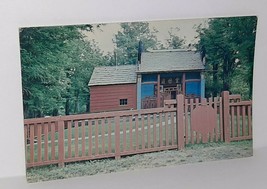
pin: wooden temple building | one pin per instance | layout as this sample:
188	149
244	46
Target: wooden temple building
159	75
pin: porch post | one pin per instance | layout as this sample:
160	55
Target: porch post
158	91
183	83
138	100
202	85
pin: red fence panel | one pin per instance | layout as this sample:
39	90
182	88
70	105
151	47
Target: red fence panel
62	139
241	125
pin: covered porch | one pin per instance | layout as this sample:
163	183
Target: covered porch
157	87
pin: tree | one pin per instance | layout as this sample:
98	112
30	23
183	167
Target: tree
85	56
174	41
128	39
228	44
41	58
56	65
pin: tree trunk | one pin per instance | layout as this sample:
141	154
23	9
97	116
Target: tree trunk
38	114
76	103
55	112
88	104
215	79
67	106
226	79
250	75
26	111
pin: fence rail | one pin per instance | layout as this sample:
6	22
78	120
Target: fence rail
240	122
58	140
63	139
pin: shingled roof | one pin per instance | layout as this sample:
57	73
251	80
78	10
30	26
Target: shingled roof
165	61
110	75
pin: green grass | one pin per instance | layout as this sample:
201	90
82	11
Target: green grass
192	154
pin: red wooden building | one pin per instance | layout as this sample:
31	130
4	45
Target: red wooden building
158	75
113	88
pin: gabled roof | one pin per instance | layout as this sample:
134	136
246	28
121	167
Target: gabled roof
166	61
110	75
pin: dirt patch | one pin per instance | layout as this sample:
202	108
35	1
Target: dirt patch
191	154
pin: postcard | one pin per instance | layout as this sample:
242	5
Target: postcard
109	97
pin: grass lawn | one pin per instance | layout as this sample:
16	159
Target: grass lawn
191	154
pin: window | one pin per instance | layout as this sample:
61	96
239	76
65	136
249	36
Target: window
123	102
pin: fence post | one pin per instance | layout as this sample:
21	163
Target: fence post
61	143
117	137
180	121
26	136
226	117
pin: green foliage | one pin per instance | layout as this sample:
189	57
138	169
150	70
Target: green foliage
128	39
56	64
228	45
175	42
84	57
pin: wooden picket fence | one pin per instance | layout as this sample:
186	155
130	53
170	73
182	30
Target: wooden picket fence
63	139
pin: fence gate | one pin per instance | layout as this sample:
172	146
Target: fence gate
203	120
199	120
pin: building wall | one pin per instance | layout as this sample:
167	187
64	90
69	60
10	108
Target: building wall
193	88
107	98
191	83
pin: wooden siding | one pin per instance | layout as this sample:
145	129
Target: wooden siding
107	98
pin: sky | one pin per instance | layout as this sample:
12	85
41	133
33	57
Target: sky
103	36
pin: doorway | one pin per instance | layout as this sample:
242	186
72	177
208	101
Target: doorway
173	94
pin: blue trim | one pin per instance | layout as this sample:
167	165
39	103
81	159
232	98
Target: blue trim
202	88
